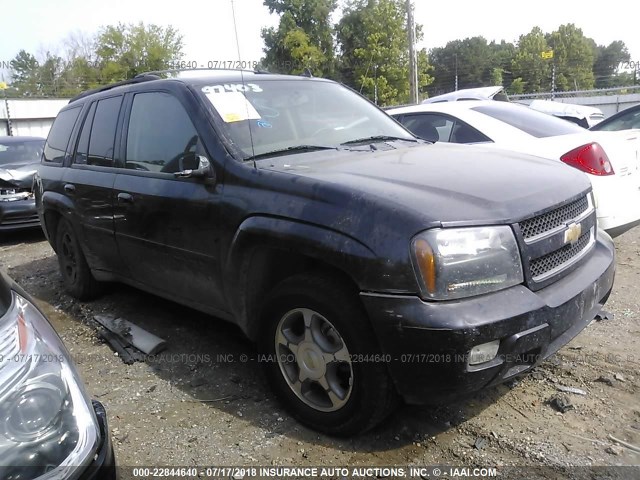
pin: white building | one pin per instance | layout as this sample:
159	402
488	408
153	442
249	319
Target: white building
29	116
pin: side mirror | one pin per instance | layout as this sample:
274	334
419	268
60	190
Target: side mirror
204	170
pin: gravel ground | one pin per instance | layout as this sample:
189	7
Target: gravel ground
199	404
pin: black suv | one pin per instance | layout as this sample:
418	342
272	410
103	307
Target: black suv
366	264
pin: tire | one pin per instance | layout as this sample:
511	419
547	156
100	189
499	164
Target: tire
315	332
76	275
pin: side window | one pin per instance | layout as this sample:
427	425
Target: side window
82	152
464	133
58	139
435	128
161	136
103	132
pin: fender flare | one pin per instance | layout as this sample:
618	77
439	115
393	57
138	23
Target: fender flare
54	202
326	245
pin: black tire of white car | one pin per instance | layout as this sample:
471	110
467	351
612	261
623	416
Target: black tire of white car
76	275
316	337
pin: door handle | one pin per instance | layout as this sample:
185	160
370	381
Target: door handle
125	198
70	188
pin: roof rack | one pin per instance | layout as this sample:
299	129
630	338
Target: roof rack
143	77
202	69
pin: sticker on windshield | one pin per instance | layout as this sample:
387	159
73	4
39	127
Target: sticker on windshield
233	106
232	87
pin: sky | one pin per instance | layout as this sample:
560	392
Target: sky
209	36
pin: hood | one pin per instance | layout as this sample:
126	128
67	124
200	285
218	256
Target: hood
443	183
18	175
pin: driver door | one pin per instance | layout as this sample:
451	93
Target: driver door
166	227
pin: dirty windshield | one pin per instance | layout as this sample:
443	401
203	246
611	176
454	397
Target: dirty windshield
264	116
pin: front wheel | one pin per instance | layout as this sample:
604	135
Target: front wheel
322	358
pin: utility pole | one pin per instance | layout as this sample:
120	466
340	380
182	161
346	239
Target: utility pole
3	87
413	64
375	84
456	72
548	55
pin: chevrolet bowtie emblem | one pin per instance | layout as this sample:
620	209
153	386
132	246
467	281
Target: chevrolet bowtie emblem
572	233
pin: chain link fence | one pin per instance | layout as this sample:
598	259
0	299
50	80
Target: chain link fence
577	93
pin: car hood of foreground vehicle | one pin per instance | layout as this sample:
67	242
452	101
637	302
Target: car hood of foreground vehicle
450	184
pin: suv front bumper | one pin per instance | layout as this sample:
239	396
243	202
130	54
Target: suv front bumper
426	344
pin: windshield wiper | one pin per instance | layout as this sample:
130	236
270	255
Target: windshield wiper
294	149
377	138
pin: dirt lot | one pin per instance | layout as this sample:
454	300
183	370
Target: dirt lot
199	404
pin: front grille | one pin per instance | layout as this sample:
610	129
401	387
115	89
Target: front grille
550	262
547	255
555	218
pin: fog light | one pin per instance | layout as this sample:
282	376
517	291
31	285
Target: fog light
484	353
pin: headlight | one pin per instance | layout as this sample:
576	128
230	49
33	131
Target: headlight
48	429
460	262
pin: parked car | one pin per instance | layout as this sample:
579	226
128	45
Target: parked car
480	93
610	159
19	159
582	115
365	263
623	120
49	429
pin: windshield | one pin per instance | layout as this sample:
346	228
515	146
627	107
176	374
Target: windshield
25	152
624	122
530	121
280	115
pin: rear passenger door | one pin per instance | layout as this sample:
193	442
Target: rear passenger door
166	226
89	180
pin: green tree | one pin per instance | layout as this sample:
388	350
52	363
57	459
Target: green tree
607	62
374	50
516	87
24	75
528	64
49	76
573	55
473	61
116	53
79	74
303	38
501	57
124	51
496	76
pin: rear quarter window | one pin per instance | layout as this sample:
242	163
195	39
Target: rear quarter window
58	140
534	123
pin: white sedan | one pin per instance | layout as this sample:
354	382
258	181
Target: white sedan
610	159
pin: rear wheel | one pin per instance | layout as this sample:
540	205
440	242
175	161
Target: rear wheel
76	275
316	341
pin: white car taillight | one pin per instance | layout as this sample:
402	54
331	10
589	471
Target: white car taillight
590	158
